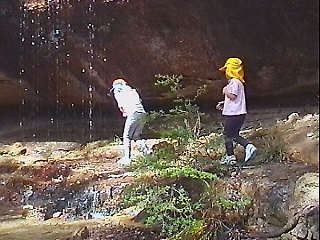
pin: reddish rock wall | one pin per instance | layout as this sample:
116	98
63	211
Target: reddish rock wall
278	41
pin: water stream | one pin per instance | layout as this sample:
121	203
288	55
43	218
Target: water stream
45	30
69	204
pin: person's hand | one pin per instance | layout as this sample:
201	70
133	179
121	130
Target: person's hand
220	106
124	114
224	90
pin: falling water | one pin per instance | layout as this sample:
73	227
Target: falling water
68	29
91	202
44	40
30	31
37	35
22	27
40	31
56	33
35	25
91	28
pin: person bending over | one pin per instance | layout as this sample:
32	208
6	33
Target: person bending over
130	105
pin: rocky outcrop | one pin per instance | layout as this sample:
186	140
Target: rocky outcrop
306	194
68	54
291	209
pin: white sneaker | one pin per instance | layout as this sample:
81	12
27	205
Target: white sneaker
251	151
229	160
124	161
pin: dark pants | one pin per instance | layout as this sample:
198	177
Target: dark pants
232	126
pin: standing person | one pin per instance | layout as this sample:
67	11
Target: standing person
234	110
130	105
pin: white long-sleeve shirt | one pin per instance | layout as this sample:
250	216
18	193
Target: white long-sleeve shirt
128	100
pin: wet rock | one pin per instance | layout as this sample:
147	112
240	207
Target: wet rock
52	171
27	193
279	205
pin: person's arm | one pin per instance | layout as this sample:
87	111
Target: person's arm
120	103
230	95
231	90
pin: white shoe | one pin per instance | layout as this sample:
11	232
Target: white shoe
229	160
124	161
251	151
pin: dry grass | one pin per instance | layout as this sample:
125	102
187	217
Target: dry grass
8	166
270	144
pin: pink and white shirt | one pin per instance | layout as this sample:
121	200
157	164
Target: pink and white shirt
238	105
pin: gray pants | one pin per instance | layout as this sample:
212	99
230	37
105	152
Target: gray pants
132	130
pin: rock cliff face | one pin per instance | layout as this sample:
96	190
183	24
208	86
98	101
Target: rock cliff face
67	54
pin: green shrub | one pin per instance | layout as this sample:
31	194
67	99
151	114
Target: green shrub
184	107
227	204
187	172
160	159
182	135
191	232
167	207
171	83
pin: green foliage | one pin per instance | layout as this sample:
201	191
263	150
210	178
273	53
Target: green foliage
187	172
184	107
193	231
154	115
173	82
164	163
181	159
227	204
168	207
182	135
160	159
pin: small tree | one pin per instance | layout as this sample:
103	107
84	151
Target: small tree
185	107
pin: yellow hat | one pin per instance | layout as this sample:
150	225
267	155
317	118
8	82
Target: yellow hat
233	69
